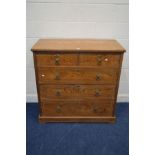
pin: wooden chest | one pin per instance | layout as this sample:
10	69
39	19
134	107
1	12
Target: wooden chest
77	80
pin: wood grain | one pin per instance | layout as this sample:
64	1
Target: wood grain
74	45
80	119
64	75
117	84
77	91
77	108
47	60
100	60
77	80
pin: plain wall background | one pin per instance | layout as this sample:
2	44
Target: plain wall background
100	19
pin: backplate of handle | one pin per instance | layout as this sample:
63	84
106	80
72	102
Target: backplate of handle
57	59
98	77
97	92
57	76
99	60
58	108
58	93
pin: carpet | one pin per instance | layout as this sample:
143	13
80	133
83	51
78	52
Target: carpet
77	138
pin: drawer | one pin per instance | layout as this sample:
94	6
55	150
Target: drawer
102	60
64	75
77	108
76	91
56	59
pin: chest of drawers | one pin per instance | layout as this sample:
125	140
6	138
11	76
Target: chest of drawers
77	80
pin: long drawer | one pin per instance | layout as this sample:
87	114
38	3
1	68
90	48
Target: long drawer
64	75
77	108
81	59
76	91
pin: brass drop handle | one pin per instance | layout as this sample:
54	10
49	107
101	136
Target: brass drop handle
77	87
97	92
57	60
98	77
58	93
94	109
57	76
99	60
58	108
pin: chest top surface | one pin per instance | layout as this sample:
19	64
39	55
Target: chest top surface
82	45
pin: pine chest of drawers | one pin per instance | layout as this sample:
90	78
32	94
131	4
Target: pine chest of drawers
77	80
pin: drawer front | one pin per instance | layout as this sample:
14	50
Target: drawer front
77	108
56	60
76	91
77	76
102	60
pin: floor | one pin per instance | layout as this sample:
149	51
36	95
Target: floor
78	138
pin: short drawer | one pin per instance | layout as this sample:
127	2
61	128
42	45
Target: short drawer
76	91
77	75
56	59
100	60
77	108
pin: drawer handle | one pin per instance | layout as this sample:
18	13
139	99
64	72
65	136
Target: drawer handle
58	93
97	93
57	60
58	108
77	87
97	110
98	77
99	60
94	109
57	76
